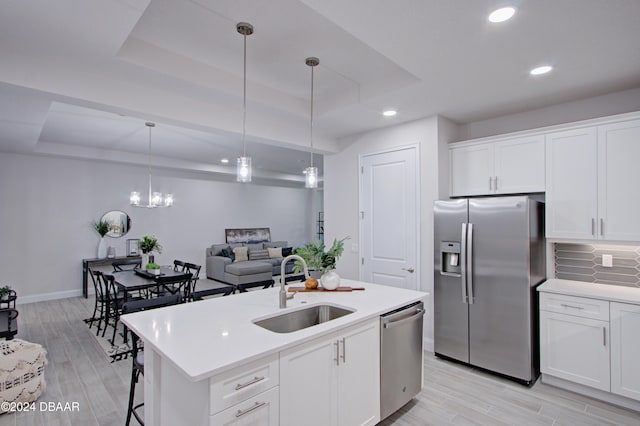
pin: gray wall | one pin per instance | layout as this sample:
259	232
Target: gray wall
48	205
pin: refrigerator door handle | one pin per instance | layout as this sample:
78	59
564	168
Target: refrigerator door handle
469	256
463	262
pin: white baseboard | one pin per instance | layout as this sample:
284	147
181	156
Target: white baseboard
48	296
427	344
593	393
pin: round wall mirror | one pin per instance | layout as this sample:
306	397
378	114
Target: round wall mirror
119	223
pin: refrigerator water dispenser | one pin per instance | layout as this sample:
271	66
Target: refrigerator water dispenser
450	258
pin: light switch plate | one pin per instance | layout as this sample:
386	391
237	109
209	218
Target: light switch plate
607	260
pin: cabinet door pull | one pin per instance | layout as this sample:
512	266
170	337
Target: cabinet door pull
564	305
255	406
495	185
604	336
602	227
256	379
593	226
490	183
344	350
337	358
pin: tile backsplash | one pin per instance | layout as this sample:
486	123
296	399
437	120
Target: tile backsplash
583	262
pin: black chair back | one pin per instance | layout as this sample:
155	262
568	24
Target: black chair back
174	284
194	270
126	264
179	265
99	285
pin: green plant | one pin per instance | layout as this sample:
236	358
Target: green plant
316	258
5	290
152	265
149	243
102	227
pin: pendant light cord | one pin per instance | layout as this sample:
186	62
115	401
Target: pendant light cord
244	100
149	161
311	115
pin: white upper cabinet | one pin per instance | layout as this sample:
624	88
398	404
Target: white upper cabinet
618	180
591	176
572	184
508	166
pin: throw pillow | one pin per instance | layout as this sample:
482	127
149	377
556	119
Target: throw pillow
258	254
228	252
241	253
274	252
287	251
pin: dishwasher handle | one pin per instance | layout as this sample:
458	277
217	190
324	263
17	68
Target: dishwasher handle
388	323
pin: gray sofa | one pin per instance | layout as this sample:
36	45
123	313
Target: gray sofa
222	268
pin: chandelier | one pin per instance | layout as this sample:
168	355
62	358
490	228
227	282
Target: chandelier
311	173
156	199
243	170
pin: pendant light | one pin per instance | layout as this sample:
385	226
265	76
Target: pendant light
311	173
243	170
156	199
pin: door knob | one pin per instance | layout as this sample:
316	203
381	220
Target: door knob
410	270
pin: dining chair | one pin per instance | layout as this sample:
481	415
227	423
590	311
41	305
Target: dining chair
194	270
8	323
179	265
138	359
115	299
176	284
100	305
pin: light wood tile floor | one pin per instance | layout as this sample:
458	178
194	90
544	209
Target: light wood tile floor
78	371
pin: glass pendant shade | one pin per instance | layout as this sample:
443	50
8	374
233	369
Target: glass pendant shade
243	171
156	199
311	177
134	198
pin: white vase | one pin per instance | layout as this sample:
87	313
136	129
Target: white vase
102	249
144	261
330	280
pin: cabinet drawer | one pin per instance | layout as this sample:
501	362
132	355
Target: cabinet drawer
235	386
262	409
576	306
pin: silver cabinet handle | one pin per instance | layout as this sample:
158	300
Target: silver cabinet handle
337	358
344	350
604	336
249	383
255	406
564	305
490	183
593	226
495	185
410	269
390	324
602	227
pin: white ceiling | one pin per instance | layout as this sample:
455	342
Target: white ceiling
81	78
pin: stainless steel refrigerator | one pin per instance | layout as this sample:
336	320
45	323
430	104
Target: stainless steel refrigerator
489	256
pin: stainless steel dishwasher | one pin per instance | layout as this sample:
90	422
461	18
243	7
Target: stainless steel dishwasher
400	357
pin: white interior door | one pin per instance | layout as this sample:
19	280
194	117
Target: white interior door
389	218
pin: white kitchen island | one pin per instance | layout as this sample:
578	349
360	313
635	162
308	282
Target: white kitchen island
207	363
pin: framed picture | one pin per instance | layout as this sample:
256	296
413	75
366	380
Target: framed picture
132	247
248	235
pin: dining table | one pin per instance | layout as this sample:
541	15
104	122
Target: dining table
139	279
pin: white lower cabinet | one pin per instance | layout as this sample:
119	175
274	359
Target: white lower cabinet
333	380
625	350
260	410
575	349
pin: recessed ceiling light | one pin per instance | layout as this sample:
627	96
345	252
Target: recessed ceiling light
502	14
541	70
390	113
224	160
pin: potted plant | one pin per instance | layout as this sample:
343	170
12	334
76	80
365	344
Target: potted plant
153	268
102	227
325	262
5	292
147	245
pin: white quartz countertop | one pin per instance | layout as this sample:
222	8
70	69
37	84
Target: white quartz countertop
612	293
205	338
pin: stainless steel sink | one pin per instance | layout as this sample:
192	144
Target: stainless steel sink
303	318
